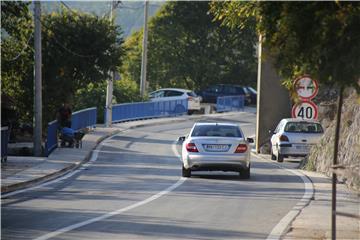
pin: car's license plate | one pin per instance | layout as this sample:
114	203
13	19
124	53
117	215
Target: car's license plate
302	147
216	147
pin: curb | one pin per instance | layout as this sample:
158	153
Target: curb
30	183
56	174
283	227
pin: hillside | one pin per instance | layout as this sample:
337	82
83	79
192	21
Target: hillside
320	158
129	15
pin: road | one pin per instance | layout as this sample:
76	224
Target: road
134	190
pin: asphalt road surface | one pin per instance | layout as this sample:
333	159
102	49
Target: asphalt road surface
134	190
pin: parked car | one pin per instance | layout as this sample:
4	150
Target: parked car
166	94
294	137
216	147
253	95
210	94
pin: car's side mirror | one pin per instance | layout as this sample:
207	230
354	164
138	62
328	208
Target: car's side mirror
181	139
250	140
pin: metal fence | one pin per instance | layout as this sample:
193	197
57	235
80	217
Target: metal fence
4	143
230	103
81	119
142	110
84	118
51	138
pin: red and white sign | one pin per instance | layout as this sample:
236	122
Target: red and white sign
305	110
306	87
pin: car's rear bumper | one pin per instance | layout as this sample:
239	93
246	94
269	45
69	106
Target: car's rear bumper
194	106
223	162
294	149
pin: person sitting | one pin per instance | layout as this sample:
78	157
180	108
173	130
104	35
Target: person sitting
64	116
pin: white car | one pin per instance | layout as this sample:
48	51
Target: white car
214	147
294	137
166	94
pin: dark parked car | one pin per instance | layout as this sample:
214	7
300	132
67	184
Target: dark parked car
210	94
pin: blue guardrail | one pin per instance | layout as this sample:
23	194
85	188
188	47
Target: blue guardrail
142	110
230	103
80	119
4	143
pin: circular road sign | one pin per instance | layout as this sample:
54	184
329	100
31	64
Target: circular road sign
306	87
305	110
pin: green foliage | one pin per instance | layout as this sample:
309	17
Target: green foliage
79	49
188	49
318	38
94	95
17	57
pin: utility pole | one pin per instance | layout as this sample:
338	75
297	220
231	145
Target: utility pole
110	82
37	83
335	164
144	51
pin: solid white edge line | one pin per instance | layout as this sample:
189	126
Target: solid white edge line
282	227
119	211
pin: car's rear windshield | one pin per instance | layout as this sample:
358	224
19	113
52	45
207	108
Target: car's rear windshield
191	94
303	127
216	131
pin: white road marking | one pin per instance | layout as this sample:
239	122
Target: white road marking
284	224
119	211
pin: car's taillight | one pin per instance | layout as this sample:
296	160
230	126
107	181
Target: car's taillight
241	148
190	98
190	147
284	138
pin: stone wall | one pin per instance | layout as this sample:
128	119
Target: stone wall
321	156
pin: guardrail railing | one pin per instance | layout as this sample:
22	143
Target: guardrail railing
230	103
142	110
80	119
84	118
4	143
51	138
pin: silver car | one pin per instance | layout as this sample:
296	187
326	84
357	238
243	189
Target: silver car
294	137
216	146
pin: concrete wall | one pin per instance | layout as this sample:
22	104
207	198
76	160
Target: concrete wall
273	101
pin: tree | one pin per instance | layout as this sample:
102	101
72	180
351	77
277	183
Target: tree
318	38
188	49
17	58
78	49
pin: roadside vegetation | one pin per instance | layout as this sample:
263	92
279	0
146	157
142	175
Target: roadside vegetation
320	39
188	49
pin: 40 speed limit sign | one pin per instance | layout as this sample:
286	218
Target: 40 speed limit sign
305	110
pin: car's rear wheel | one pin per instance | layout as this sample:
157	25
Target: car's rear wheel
273	157
245	173
280	157
186	172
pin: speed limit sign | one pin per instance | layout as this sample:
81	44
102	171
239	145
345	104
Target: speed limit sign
305	110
